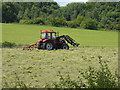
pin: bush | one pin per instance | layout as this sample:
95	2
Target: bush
38	21
75	23
66	82
101	78
89	24
29	22
79	20
58	21
8	44
22	21
71	24
33	21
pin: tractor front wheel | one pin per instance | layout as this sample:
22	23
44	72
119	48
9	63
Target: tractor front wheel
48	45
65	46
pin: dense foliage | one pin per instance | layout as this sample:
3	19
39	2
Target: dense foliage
15	11
90	15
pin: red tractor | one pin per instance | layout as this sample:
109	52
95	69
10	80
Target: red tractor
51	40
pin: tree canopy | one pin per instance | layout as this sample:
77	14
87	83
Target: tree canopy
90	15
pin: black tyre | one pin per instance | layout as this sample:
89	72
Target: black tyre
65	46
48	45
39	47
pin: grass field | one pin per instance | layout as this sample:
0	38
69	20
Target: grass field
40	67
28	34
36	68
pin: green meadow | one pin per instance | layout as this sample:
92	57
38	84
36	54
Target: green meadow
37	68
29	34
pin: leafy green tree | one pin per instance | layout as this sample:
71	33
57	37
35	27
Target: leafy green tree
74	15
20	15
72	24
15	11
26	14
34	12
79	19
9	12
38	20
75	23
89	24
58	21
105	14
118	26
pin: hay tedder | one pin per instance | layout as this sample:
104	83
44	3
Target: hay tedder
51	40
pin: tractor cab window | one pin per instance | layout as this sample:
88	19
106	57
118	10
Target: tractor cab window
53	35
48	35
43	35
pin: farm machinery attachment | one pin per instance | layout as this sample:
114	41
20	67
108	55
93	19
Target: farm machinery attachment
50	40
29	47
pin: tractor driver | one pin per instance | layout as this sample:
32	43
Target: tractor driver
47	37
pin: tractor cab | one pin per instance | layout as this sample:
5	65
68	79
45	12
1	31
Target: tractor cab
48	35
49	40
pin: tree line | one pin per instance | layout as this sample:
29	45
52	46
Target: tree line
90	15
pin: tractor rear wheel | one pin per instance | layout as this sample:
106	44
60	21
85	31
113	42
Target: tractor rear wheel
48	45
39	45
65	46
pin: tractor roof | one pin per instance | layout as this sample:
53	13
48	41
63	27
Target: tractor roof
48	32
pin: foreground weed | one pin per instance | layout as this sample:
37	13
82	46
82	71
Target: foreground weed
102	78
19	83
67	82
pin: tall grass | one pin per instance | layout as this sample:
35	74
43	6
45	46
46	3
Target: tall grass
39	67
102	78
